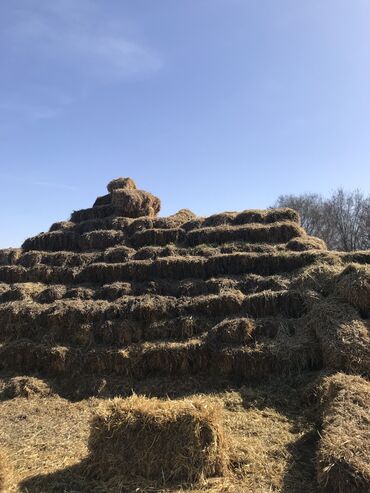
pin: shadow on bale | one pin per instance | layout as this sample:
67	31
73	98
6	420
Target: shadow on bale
141	444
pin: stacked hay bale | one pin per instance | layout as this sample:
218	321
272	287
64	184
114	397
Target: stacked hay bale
344	449
117	290
162	440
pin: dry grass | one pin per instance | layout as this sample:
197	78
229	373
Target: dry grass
4	471
271	448
343	462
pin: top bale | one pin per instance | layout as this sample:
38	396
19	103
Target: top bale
126	183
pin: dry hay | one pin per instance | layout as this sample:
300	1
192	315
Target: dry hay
305	243
135	203
320	277
344	337
163	440
4	471
343	457
354	287
232	331
117	183
24	387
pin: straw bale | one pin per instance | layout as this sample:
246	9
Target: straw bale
160	237
30	259
62	226
92	213
157	439
271	303
252	233
343	456
9	256
353	286
343	335
306	243
54	241
25	386
114	291
232	331
51	294
103	200
12	273
116	254
267	216
320	277
119	183
135	203
101	239
80	293
220	219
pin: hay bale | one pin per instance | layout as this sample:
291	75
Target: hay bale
62	226
101	239
117	183
118	254
267	216
305	243
135	203
320	277
232	331
52	293
344	337
251	233
9	256
353	285
103	200
157	237
343	456
158	439
25	387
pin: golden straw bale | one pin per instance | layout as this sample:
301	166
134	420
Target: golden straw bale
354	286
304	243
343	336
343	456
135	203
158	439
126	183
232	331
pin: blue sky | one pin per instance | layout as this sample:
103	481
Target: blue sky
210	104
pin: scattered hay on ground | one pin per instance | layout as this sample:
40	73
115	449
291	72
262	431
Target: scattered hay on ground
343	457
4	471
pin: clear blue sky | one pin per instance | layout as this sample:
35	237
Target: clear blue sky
210	104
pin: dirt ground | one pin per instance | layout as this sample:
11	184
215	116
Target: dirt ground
270	427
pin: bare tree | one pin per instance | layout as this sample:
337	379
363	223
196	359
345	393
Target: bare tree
342	220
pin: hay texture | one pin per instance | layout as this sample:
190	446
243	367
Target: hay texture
4	471
354	287
343	463
157	439
117	183
135	203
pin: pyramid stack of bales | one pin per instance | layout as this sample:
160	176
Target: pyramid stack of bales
117	290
